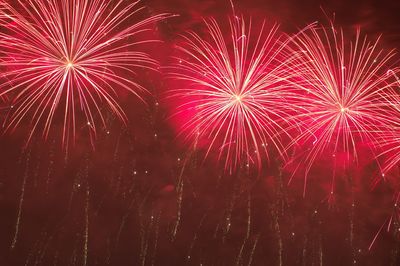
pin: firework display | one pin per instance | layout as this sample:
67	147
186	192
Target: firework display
229	133
72	55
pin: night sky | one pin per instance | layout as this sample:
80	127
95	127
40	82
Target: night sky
142	196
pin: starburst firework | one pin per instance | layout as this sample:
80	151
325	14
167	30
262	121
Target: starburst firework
389	139
233	91
70	56
344	87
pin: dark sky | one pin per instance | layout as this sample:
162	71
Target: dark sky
143	198
374	17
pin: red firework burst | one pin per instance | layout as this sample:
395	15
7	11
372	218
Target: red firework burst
344	86
233	91
70	55
389	139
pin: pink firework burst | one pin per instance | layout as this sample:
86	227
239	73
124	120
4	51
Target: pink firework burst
389	139
232	87
344	86
72	56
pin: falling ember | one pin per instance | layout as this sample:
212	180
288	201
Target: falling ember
233	92
344	86
72	56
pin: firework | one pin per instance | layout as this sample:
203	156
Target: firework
344	87
389	139
232	87
71	56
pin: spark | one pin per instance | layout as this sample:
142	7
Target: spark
390	221
86	234
69	58
21	200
